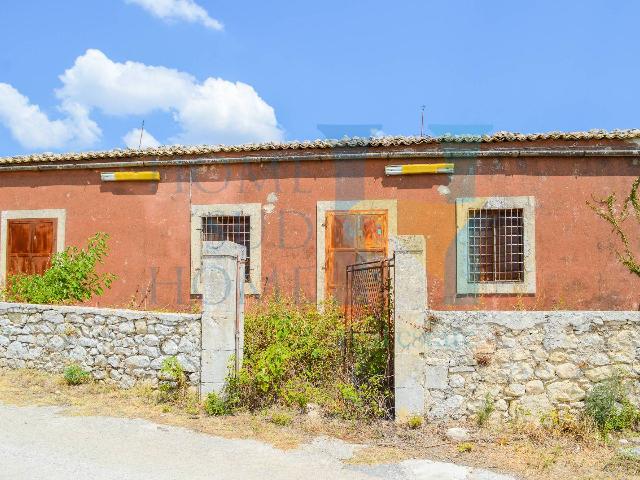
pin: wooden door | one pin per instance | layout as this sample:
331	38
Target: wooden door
352	237
30	245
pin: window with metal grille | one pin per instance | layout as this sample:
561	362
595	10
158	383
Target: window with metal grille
496	245
230	228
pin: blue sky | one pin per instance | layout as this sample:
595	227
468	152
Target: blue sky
348	66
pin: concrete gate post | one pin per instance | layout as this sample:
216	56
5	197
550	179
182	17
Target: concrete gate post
410	303
222	312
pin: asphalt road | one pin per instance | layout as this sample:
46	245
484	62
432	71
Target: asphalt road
40	443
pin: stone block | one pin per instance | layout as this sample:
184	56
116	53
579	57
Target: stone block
565	391
408	402
138	361
215	365
600	373
567	370
169	347
534	387
436	377
515	390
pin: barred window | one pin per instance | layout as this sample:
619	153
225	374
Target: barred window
233	228
496	245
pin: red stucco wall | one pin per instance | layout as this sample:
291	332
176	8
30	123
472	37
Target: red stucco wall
150	231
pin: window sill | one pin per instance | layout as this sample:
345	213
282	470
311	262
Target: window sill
524	288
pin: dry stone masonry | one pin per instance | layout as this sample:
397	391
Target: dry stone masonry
128	346
528	362
122	346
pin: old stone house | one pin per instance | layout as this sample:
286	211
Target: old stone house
504	216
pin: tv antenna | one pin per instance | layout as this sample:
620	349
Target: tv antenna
422	120
141	133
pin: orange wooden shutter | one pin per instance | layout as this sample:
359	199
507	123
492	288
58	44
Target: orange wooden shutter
30	244
352	237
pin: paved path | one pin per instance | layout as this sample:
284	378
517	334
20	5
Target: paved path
39	443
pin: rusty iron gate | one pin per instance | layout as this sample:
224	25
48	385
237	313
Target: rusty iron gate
369	312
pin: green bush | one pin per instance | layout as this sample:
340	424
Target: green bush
293	355
72	277
608	405
75	375
215	405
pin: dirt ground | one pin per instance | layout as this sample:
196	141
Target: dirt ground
520	449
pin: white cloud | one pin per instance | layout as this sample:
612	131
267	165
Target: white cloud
128	88
33	129
186	10
132	139
212	111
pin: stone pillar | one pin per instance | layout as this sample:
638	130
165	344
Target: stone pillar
410	303
222	312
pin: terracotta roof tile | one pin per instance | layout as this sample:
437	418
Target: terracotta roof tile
354	142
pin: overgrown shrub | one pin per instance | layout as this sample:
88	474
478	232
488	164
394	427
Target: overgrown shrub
72	277
74	374
609	406
293	355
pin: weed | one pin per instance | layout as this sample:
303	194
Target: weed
566	424
281	419
465	447
483	359
548	458
74	374
609	406
486	410
215	405
175	387
625	462
414	422
70	330
192	408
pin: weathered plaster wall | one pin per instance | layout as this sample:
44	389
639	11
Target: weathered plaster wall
149	224
122	346
529	362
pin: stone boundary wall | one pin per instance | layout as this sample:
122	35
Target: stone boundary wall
123	346
529	362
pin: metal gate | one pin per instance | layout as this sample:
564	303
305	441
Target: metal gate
369	311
